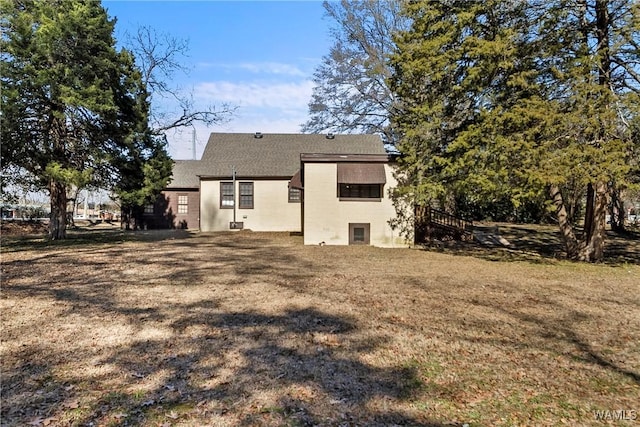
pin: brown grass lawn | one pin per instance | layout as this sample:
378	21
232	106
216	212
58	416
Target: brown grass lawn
244	329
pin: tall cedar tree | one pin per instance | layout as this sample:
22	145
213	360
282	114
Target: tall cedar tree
514	97
74	109
451	67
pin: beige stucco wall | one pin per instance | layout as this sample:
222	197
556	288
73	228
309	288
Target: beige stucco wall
271	208
326	218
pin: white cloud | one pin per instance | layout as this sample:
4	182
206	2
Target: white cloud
251	94
272	68
277	68
274	124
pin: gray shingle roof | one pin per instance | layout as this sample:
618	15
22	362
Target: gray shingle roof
185	174
272	155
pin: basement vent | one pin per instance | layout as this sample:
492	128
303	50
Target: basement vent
258	135
330	136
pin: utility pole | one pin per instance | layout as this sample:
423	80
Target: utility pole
233	179
193	143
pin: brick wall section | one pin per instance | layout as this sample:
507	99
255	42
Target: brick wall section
166	213
191	219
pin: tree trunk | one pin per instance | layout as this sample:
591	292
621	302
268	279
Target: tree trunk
573	203
602	32
131	218
617	211
593	251
127	218
571	244
57	187
588	214
58	220
138	218
595	234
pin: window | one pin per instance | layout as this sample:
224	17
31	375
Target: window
246	195
183	204
361	181
148	209
359	233
226	195
295	195
359	191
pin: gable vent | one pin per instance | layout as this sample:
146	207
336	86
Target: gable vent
330	136
258	135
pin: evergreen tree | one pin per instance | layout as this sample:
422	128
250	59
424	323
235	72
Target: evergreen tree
511	98
454	65
74	109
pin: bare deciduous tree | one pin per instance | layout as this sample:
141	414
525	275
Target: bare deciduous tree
351	92
160	57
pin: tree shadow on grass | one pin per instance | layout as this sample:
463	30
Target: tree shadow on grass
277	365
193	360
89	237
620	248
540	244
173	258
535	245
623	248
557	335
245	368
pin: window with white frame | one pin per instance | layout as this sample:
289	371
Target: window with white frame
226	195
246	195
183	204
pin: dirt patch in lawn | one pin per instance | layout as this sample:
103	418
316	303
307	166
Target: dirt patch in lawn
232	329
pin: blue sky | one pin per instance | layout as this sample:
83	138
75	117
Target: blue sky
257	55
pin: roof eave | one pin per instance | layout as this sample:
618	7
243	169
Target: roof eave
336	158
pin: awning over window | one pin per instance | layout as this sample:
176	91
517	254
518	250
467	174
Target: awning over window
296	181
361	173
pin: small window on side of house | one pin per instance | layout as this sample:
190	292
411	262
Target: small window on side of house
226	195
246	195
148	209
359	234
360	191
295	195
183	204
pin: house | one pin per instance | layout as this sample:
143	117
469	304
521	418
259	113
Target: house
179	204
334	189
346	200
